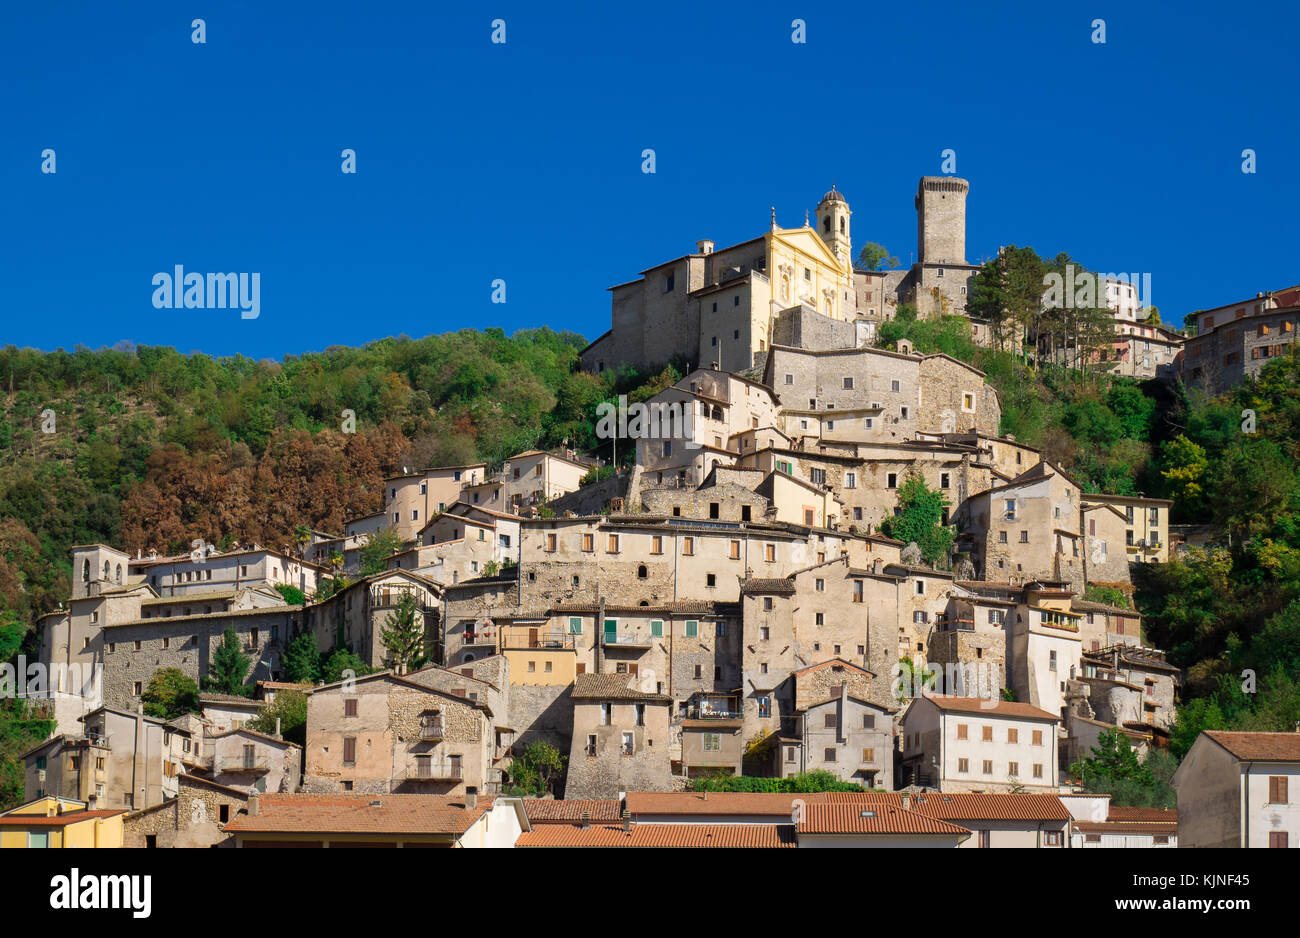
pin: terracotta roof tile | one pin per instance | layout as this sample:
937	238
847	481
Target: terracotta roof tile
1259	747
660	835
58	820
1003	806
569	810
754	804
610	687
361	814
996	708
848	818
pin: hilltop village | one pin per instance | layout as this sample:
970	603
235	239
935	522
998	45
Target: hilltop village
729	606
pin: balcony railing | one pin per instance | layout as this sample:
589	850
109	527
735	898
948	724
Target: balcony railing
535	638
630	639
241	766
429	770
431	732
712	713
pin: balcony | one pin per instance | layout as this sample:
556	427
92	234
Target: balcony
431	732
427	770
533	638
258	765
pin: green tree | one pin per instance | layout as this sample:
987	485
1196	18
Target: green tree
1183	465
290	708
873	255
919	518
1113	768
229	666
375	552
535	770
402	634
302	659
340	661
292	595
170	693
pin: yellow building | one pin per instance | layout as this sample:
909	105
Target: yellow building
59	822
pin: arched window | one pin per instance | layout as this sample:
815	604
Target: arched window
119	574
85	571
106	569
841	226
717	412
785	287
641	572
826	224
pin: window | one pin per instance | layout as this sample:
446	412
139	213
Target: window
1013	769
987	734
1277	838
848	384
612	545
1038	737
589	542
712	742
550	543
627	747
688	546
1051	660
350	707
692	628
821	618
1038	770
988	766
963	766
575	625
1052	838
891	480
769	553
735	550
831	722
669	281
349	750
1024	537
1013	735
657	544
711	580
893	386
961	731
764	707
1277	789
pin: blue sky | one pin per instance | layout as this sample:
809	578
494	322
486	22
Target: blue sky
522	161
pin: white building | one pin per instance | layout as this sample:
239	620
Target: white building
1234	790
979	745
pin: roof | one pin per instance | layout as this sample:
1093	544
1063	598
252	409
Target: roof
569	810
360	814
770	585
610	687
991	807
769	804
659	835
872	819
57	820
998	708
1259	747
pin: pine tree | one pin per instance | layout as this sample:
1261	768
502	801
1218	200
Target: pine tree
302	660
229	666
403	635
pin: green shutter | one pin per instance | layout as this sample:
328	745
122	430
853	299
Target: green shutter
575	625
657	629
611	631
692	628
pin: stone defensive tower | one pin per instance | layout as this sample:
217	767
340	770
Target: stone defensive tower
941	220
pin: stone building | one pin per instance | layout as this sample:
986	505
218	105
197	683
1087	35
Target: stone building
1028	528
1239	339
1146	529
620	739
411	500
356	615
244	758
843	726
384	733
196	817
122	759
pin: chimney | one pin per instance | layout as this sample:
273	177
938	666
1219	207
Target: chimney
704	246
627	819
471	798
586	820
254	804
907	800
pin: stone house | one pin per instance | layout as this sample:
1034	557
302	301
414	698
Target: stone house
841	726
1146	528
532	478
1043	647
1028	528
1102	626
244	758
357	615
200	572
196	817
620	739
411	500
385	733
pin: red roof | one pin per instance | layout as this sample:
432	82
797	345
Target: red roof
993	708
1004	806
569	810
361	814
742	803
866	818
56	820
1259	747
659	835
